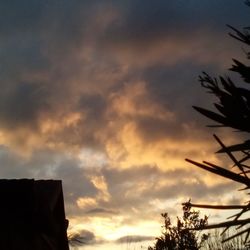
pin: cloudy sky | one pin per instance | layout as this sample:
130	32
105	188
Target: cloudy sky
99	94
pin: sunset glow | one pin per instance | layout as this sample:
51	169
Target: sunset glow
99	94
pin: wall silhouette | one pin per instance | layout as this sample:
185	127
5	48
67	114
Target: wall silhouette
32	215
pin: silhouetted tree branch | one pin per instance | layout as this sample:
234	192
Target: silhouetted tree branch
183	236
233	110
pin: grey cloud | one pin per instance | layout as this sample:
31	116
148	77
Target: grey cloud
235	200
103	211
20	16
46	165
11	166
199	190
76	184
38	68
176	183
121	176
87	236
56	60
143	22
134	238
176	88
21	105
93	105
60	79
154	129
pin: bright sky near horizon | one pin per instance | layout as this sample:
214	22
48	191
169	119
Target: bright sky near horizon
99	94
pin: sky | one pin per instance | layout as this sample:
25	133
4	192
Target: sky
99	94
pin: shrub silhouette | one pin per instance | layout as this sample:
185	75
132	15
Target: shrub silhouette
181	236
233	110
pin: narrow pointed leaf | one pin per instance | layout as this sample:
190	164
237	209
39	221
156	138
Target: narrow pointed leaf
236	147
212	115
225	224
236	235
230	155
222	172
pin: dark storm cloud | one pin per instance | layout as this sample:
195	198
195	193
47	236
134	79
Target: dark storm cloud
146	21
43	75
21	105
174	88
21	39
20	16
93	106
39	46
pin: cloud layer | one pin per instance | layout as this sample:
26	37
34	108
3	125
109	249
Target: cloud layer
99	94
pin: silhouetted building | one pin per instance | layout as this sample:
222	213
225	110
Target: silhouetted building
32	215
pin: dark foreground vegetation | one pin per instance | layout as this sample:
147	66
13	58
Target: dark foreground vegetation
180	236
233	111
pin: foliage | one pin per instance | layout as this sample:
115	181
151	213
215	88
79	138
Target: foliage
181	236
214	241
233	110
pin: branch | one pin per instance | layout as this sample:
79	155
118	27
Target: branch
216	206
